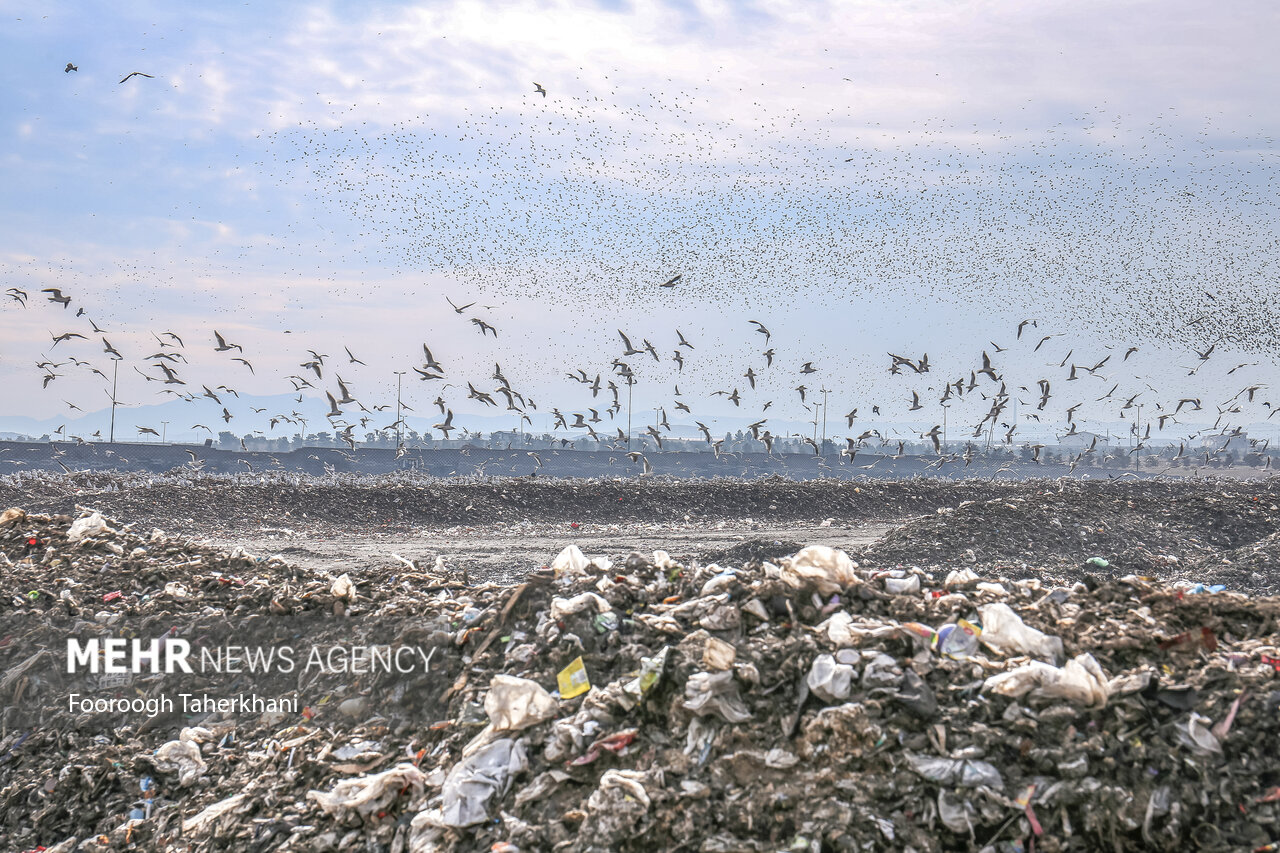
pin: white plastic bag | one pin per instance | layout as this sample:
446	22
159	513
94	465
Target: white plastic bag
366	795
828	569
828	680
570	561
562	607
516	703
1081	681
182	757
1004	632
343	588
472	781
92	525
715	693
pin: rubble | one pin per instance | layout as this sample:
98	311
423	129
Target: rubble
795	703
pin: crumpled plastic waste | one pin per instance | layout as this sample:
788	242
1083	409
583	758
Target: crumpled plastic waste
477	778
182	757
1081	681
562	607
570	561
367	795
343	588
827	569
966	773
88	526
708	693
516	703
1004	632
828	680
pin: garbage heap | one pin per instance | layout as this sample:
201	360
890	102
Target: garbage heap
805	704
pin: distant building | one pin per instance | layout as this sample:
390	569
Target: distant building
1083	440
1237	442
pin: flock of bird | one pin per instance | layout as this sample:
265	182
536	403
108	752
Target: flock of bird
623	213
992	385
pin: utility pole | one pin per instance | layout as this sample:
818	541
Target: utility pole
115	372
1137	437
630	383
825	392
399	434
164	431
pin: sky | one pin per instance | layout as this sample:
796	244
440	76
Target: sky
861	178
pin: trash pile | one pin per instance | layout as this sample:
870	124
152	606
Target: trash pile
804	703
1172	530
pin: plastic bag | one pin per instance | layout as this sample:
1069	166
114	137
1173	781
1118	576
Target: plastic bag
828	680
650	674
955	813
343	588
715	693
92	525
562	607
909	585
472	781
826	568
955	771
1004	632
570	561
367	795
516	703
881	671
1081	681
182	757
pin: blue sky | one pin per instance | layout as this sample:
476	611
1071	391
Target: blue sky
860	177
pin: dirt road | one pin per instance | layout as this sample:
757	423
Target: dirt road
504	553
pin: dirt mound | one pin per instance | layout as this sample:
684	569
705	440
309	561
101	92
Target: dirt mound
753	550
1138	527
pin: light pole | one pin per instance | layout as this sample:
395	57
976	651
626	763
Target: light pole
164	431
825	392
1137	437
630	383
115	372
399	382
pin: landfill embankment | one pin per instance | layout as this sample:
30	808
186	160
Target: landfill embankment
971	681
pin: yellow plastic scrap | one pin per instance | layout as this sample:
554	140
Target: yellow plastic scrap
572	680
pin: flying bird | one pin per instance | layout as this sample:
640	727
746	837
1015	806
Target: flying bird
538	90
57	296
135	74
223	346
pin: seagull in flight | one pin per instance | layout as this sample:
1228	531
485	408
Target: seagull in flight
135	74
57	296
223	346
538	90
457	309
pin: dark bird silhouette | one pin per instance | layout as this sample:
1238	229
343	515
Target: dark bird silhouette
69	68
135	74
